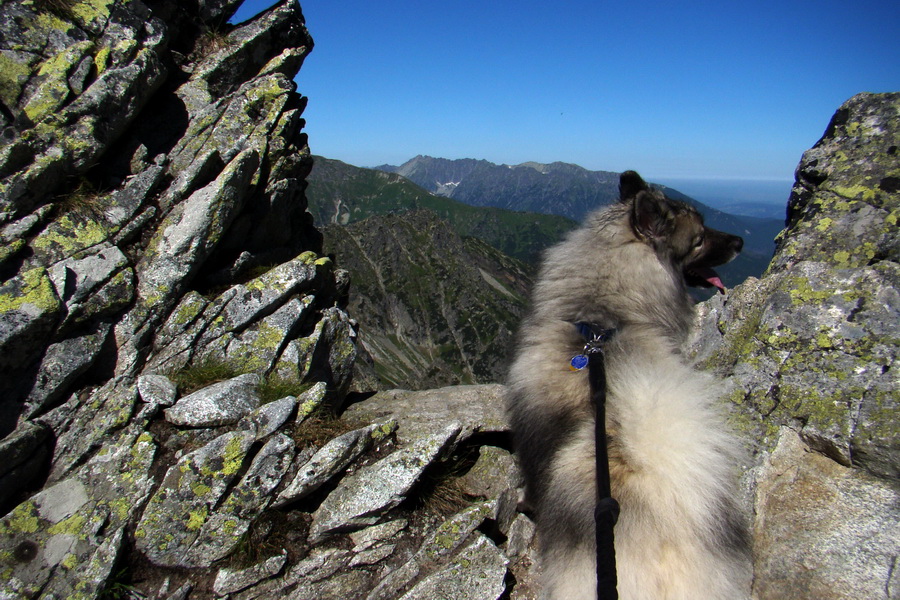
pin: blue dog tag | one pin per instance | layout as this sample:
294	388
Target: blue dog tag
578	362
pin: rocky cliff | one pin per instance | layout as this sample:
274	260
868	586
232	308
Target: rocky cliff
809	351
175	352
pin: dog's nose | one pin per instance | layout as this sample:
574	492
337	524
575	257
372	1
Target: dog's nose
737	244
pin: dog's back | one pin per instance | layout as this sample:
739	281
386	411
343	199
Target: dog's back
679	534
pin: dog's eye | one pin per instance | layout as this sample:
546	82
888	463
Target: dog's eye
698	243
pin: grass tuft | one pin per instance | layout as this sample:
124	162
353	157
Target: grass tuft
195	377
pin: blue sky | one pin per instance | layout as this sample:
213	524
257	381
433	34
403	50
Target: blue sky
673	90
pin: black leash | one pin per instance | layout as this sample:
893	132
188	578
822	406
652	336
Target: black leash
606	513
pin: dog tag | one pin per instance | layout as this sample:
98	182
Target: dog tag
578	362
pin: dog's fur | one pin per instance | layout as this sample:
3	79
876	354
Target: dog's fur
680	534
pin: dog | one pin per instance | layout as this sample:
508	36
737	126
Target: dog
673	464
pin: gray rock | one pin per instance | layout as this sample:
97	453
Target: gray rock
454	532
228	524
229	581
808	352
521	534
478	573
493	473
61	365
477	408
266	293
191	231
189	494
68	535
157	389
22	454
308	578
363	497
28	313
269	417
436	547
376	534
311	400
840	525
372	555
333	458
96	285
83	426
221	403
260	346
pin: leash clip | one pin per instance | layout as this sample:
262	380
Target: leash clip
596	337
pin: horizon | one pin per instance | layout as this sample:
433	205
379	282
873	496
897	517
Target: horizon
731	92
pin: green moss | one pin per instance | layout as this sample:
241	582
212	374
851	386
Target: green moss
33	288
14	74
74	525
69	561
200	489
196	518
49	19
854	192
89	11
101	59
23	519
824	224
802	292
892	218
70	234
234	456
120	507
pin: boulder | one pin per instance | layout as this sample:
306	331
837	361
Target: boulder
223	403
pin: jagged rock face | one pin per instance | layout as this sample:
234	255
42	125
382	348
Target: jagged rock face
152	176
809	350
152	222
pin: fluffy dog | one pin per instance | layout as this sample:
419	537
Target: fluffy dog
680	534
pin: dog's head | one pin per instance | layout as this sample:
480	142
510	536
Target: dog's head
676	232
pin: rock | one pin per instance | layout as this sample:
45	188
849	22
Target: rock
84	426
226	527
376	534
493	473
311	400
22	454
839	525
61	365
92	286
521	534
478	573
229	581
810	345
808	352
222	403
269	417
453	532
333	458
29	310
363	497
157	389
477	408
188	497
64	540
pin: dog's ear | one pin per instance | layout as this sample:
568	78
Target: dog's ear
630	183
651	216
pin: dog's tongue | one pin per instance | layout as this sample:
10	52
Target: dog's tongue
711	277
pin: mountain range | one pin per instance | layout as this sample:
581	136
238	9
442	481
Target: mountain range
435	245
560	189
